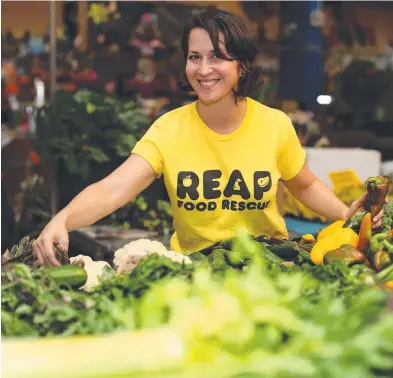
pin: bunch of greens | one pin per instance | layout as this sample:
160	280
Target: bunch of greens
33	304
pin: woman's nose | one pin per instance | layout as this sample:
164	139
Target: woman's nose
205	68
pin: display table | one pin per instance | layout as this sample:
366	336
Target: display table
321	161
100	242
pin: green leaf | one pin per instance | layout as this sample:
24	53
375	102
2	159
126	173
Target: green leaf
165	207
98	155
129	141
71	163
122	150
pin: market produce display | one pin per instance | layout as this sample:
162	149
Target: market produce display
247	307
226	315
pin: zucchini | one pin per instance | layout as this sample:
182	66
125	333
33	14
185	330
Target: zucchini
270	256
287	250
290	251
67	275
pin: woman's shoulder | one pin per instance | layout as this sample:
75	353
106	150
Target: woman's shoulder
267	111
173	123
177	114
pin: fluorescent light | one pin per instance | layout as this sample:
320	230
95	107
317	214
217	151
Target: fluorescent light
324	100
40	93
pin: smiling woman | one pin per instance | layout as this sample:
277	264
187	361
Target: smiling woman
219	48
221	156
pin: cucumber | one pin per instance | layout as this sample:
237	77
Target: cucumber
67	275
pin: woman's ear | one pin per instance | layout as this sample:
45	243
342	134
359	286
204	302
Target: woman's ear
242	70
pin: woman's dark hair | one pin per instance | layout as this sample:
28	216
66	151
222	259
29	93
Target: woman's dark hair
239	43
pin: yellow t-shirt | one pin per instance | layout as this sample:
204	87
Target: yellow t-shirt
219	183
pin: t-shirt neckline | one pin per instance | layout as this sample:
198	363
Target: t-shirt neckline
218	136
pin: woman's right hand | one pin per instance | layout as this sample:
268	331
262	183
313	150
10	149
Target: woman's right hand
54	232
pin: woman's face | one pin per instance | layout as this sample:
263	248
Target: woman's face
211	78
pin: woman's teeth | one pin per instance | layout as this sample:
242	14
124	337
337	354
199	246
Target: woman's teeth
208	84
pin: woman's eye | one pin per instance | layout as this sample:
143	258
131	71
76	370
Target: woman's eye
193	57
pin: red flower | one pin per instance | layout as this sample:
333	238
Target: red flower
35	158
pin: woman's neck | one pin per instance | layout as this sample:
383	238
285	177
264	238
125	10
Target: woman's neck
225	116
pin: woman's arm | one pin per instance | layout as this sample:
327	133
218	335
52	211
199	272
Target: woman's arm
93	203
106	196
316	195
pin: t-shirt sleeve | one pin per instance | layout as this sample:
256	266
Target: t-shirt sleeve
149	148
291	156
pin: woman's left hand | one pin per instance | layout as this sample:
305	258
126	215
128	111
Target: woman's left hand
359	202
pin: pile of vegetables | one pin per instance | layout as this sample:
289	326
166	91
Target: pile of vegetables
354	241
247	307
229	315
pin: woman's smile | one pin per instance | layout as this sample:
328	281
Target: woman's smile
208	84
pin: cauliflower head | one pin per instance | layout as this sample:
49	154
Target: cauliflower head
127	257
96	270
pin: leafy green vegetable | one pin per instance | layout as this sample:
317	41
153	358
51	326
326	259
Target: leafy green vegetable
260	320
33	304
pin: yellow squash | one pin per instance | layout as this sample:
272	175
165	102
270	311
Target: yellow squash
331	229
332	237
